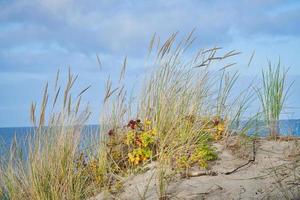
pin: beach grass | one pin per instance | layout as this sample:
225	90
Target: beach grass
185	105
273	95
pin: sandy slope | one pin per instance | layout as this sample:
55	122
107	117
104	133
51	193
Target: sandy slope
255	181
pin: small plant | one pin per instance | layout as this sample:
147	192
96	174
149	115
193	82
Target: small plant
140	140
130	145
199	155
202	154
215	127
201	151
273	95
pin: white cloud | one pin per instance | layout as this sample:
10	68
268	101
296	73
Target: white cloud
37	37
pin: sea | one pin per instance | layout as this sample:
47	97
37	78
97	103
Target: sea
19	135
8	134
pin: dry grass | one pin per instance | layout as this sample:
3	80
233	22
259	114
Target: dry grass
188	99
48	171
287	176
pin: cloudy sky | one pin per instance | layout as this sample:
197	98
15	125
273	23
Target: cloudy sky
37	37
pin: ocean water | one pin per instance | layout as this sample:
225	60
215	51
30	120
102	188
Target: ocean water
7	135
287	127
21	134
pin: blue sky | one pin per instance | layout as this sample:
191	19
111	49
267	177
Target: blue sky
39	36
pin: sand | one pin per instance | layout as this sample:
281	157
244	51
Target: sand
257	180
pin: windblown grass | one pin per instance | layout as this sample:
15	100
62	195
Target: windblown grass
48	171
273	95
185	105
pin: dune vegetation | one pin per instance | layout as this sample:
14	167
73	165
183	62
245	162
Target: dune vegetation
273	95
184	106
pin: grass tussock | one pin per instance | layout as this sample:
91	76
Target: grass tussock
185	105
48	169
273	95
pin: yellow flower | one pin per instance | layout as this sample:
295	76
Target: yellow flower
147	122
137	160
154	131
129	138
221	127
131	157
217	136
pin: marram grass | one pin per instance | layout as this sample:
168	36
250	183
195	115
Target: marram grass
273	95
185	105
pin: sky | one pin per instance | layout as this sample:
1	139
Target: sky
38	37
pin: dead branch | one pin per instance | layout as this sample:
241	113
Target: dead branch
200	173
